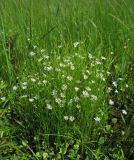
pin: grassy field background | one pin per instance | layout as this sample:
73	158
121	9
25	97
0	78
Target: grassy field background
67	79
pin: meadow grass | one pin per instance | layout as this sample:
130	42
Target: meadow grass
66	79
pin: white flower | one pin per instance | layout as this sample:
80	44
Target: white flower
103	58
24	83
69	78
97	62
76	44
78	106
35	47
40	59
42	50
92	82
62	65
115	83
70	102
109	90
124	112
3	98
14	88
90	56
33	80
94	98
58	100
76	99
66	118
24	96
24	87
76	89
32	53
60	46
116	91
88	88
126	85
64	87
49	107
31	99
44	81
85	93
62	95
72	67
111	102
71	118
85	76
54	92
97	119
46	57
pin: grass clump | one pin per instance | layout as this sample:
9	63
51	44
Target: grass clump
66	81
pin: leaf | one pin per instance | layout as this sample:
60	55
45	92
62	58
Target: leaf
101	140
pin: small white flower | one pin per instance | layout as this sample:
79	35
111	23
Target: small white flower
62	95
70	78
71	118
85	76
44	81
60	46
46	57
49	68
111	53
31	99
88	88
78	106
126	85
93	82
32	53
76	44
62	65
40	59
3	98
72	67
76	99
70	102
103	58
42	50
94	98
124	112
24	96
24	87
35	47
97	119
58	100
115	83
97	62
49	107
76	89
54	92
109	90
90	56
14	88
85	94
64	87
116	91
111	102
24	83
33	80
66	118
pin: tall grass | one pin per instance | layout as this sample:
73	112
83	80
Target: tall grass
66	73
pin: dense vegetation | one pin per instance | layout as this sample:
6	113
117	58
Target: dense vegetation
67	79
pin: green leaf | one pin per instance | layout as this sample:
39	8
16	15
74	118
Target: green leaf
101	140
